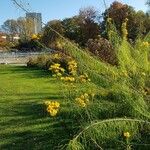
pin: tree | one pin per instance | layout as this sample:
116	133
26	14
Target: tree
24	27
148	3
82	27
90	29
49	36
72	29
118	12
10	26
79	28
147	22
21	26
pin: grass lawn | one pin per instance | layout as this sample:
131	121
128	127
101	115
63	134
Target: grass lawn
23	122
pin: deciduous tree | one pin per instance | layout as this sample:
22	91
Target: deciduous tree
49	36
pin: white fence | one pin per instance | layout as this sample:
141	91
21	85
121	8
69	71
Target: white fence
18	57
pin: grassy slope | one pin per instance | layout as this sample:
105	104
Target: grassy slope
23	122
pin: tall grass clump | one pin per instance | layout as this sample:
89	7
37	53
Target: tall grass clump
110	134
118	106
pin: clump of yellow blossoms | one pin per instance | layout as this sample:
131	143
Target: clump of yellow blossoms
146	44
35	37
52	107
68	79
126	135
72	67
83	100
84	78
57	70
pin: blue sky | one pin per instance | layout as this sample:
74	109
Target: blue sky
58	9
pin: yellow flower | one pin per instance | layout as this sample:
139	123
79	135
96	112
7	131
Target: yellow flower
59	74
109	20
53	112
49	108
56	104
86	95
52	107
84	78
80	102
55	66
62	78
82	97
62	69
146	44
83	104
87	100
57	70
68	79
56	56
72	67
83	100
47	103
35	37
126	134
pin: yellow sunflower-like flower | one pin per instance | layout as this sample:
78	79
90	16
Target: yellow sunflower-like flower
83	100
57	70
80	102
56	56
72	67
52	107
84	78
35	37
146	44
68	79
126	135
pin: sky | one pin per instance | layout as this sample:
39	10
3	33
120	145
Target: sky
58	9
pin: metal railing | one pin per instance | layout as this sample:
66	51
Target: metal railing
18	57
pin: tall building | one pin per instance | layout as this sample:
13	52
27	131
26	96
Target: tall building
35	20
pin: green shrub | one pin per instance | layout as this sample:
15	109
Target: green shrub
29	45
45	61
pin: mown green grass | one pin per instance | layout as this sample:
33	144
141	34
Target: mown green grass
24	124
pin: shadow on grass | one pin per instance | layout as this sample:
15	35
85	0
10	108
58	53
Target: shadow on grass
34	96
32	128
24	122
